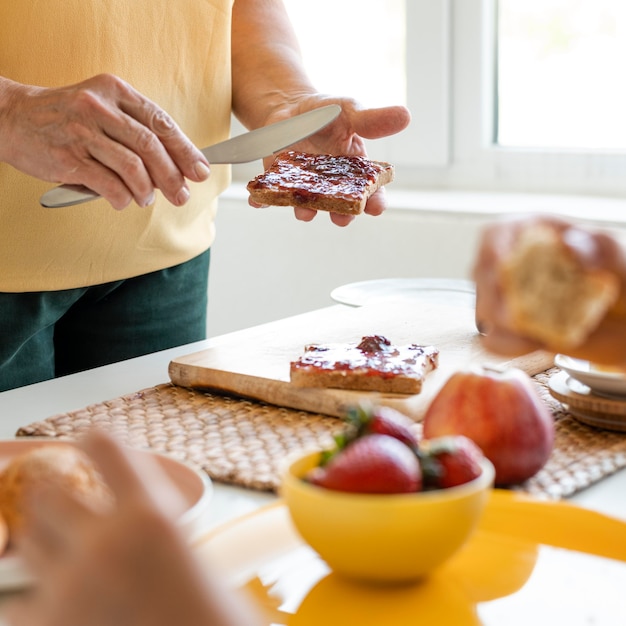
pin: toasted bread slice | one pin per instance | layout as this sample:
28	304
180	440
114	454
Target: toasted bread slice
341	184
374	364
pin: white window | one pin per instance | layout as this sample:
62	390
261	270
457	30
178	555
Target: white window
352	47
560	68
524	95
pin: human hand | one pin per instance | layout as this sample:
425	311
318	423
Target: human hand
344	136
100	133
594	251
129	565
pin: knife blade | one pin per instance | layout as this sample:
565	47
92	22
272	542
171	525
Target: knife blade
250	146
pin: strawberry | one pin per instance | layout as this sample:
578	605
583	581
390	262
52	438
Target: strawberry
449	461
382	420
370	464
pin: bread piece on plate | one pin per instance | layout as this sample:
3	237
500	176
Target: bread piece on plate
59	464
551	296
341	184
374	364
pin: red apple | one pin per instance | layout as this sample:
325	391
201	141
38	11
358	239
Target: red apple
502	413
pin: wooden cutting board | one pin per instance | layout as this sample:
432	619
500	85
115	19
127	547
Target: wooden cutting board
255	363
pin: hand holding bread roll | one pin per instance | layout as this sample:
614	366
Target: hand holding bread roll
543	282
127	563
59	465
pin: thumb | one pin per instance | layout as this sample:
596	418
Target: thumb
381	122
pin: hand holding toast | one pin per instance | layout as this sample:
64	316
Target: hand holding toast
344	136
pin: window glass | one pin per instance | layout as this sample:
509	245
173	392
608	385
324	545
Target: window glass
560	74
353	47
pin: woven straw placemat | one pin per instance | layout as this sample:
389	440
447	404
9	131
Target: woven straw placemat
244	442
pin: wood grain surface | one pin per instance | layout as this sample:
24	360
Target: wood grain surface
255	364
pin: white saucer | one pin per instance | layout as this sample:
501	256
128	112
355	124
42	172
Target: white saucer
590	408
604	382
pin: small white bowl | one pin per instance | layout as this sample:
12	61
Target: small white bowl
601	380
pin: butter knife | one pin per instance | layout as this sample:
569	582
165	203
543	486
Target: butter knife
244	148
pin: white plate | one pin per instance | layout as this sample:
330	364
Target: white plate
443	290
194	486
600	380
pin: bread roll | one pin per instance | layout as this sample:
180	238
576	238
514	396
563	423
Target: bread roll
59	464
551	295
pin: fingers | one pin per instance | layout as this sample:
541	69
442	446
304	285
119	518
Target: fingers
25	611
134	478
503	342
338	219
304	215
161	147
53	527
377	203
150	149
116	466
99	170
381	122
105	135
307	215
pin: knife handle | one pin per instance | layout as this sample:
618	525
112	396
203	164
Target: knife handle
67	195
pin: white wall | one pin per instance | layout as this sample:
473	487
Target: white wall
266	265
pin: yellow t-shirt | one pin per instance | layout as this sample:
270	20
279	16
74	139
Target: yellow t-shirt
175	52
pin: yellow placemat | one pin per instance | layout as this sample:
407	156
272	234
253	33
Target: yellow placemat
244	443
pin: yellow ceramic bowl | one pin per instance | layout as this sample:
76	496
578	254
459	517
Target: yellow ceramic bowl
383	538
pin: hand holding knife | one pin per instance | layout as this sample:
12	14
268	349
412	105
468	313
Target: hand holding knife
244	148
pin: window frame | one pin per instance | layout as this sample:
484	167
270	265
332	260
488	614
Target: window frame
451	92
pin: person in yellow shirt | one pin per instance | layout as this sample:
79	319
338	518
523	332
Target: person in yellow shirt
115	96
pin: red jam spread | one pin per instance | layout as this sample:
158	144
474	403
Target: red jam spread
319	174
373	356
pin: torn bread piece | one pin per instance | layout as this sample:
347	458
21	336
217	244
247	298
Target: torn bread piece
374	364
60	464
552	297
341	184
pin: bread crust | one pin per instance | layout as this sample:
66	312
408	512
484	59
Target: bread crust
341	184
550	295
374	364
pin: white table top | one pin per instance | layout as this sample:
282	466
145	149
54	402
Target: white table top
20	407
